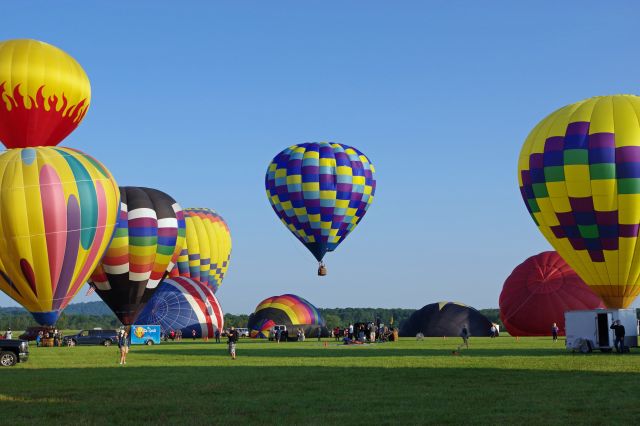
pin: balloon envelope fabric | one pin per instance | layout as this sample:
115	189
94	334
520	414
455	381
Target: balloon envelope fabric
290	310
206	250
579	175
320	191
262	329
184	304
44	94
59	209
538	293
146	244
445	319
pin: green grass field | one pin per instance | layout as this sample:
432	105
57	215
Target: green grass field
496	381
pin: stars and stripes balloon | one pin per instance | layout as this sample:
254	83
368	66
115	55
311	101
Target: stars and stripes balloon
320	191
44	94
147	241
206	251
184	304
579	175
58	209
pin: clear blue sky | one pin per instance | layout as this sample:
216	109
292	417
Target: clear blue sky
195	98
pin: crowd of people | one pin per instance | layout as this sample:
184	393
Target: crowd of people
359	333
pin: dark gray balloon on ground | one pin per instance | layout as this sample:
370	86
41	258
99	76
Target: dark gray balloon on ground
445	319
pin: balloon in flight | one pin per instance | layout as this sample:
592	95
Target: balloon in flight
44	94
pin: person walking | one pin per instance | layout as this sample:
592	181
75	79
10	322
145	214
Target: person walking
554	332
123	345
233	340
619	331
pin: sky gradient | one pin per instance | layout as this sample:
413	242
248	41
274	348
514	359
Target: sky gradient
196	99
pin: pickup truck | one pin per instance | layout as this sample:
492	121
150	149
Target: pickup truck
13	351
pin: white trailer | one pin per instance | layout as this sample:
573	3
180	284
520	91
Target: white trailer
588	330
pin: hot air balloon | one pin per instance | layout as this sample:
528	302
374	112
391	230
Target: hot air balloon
445	319
184	304
320	192
290	310
44	94
58	210
538	293
207	248
579	175
146	244
261	329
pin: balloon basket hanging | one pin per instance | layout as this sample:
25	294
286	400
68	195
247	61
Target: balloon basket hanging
322	270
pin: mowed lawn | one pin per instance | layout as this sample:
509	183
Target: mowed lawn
501	381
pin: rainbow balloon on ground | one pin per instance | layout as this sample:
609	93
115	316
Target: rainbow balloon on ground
261	329
184	304
44	94
579	175
320	191
206	252
290	310
58	213
145	247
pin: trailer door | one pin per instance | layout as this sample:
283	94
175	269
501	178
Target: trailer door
603	321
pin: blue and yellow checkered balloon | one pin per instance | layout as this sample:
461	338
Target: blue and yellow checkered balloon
320	191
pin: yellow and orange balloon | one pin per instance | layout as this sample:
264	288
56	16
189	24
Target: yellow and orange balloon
579	175
44	94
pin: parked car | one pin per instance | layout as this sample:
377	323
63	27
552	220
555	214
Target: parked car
32	332
243	332
13	351
92	337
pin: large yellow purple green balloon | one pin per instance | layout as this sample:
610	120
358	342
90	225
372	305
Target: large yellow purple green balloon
320	191
579	174
58	211
206	251
44	94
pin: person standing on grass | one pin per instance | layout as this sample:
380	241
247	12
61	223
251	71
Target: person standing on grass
123	345
193	334
351	331
554	332
619	330
464	333
319	333
217	335
233	340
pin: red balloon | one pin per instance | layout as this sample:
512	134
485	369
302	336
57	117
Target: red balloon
539	291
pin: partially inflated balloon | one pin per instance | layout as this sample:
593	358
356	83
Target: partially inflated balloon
145	247
290	310
184	304
320	191
207	248
579	174
538	293
58	210
44	94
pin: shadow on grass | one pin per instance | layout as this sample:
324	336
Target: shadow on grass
361	352
235	393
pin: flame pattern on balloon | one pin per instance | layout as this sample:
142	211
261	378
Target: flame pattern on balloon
206	251
44	94
145	247
579	175
58	213
320	192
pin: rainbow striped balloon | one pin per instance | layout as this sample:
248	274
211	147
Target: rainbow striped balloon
206	251
320	191
262	329
146	245
287	309
184	304
59	209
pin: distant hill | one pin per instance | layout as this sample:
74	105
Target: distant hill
86	308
